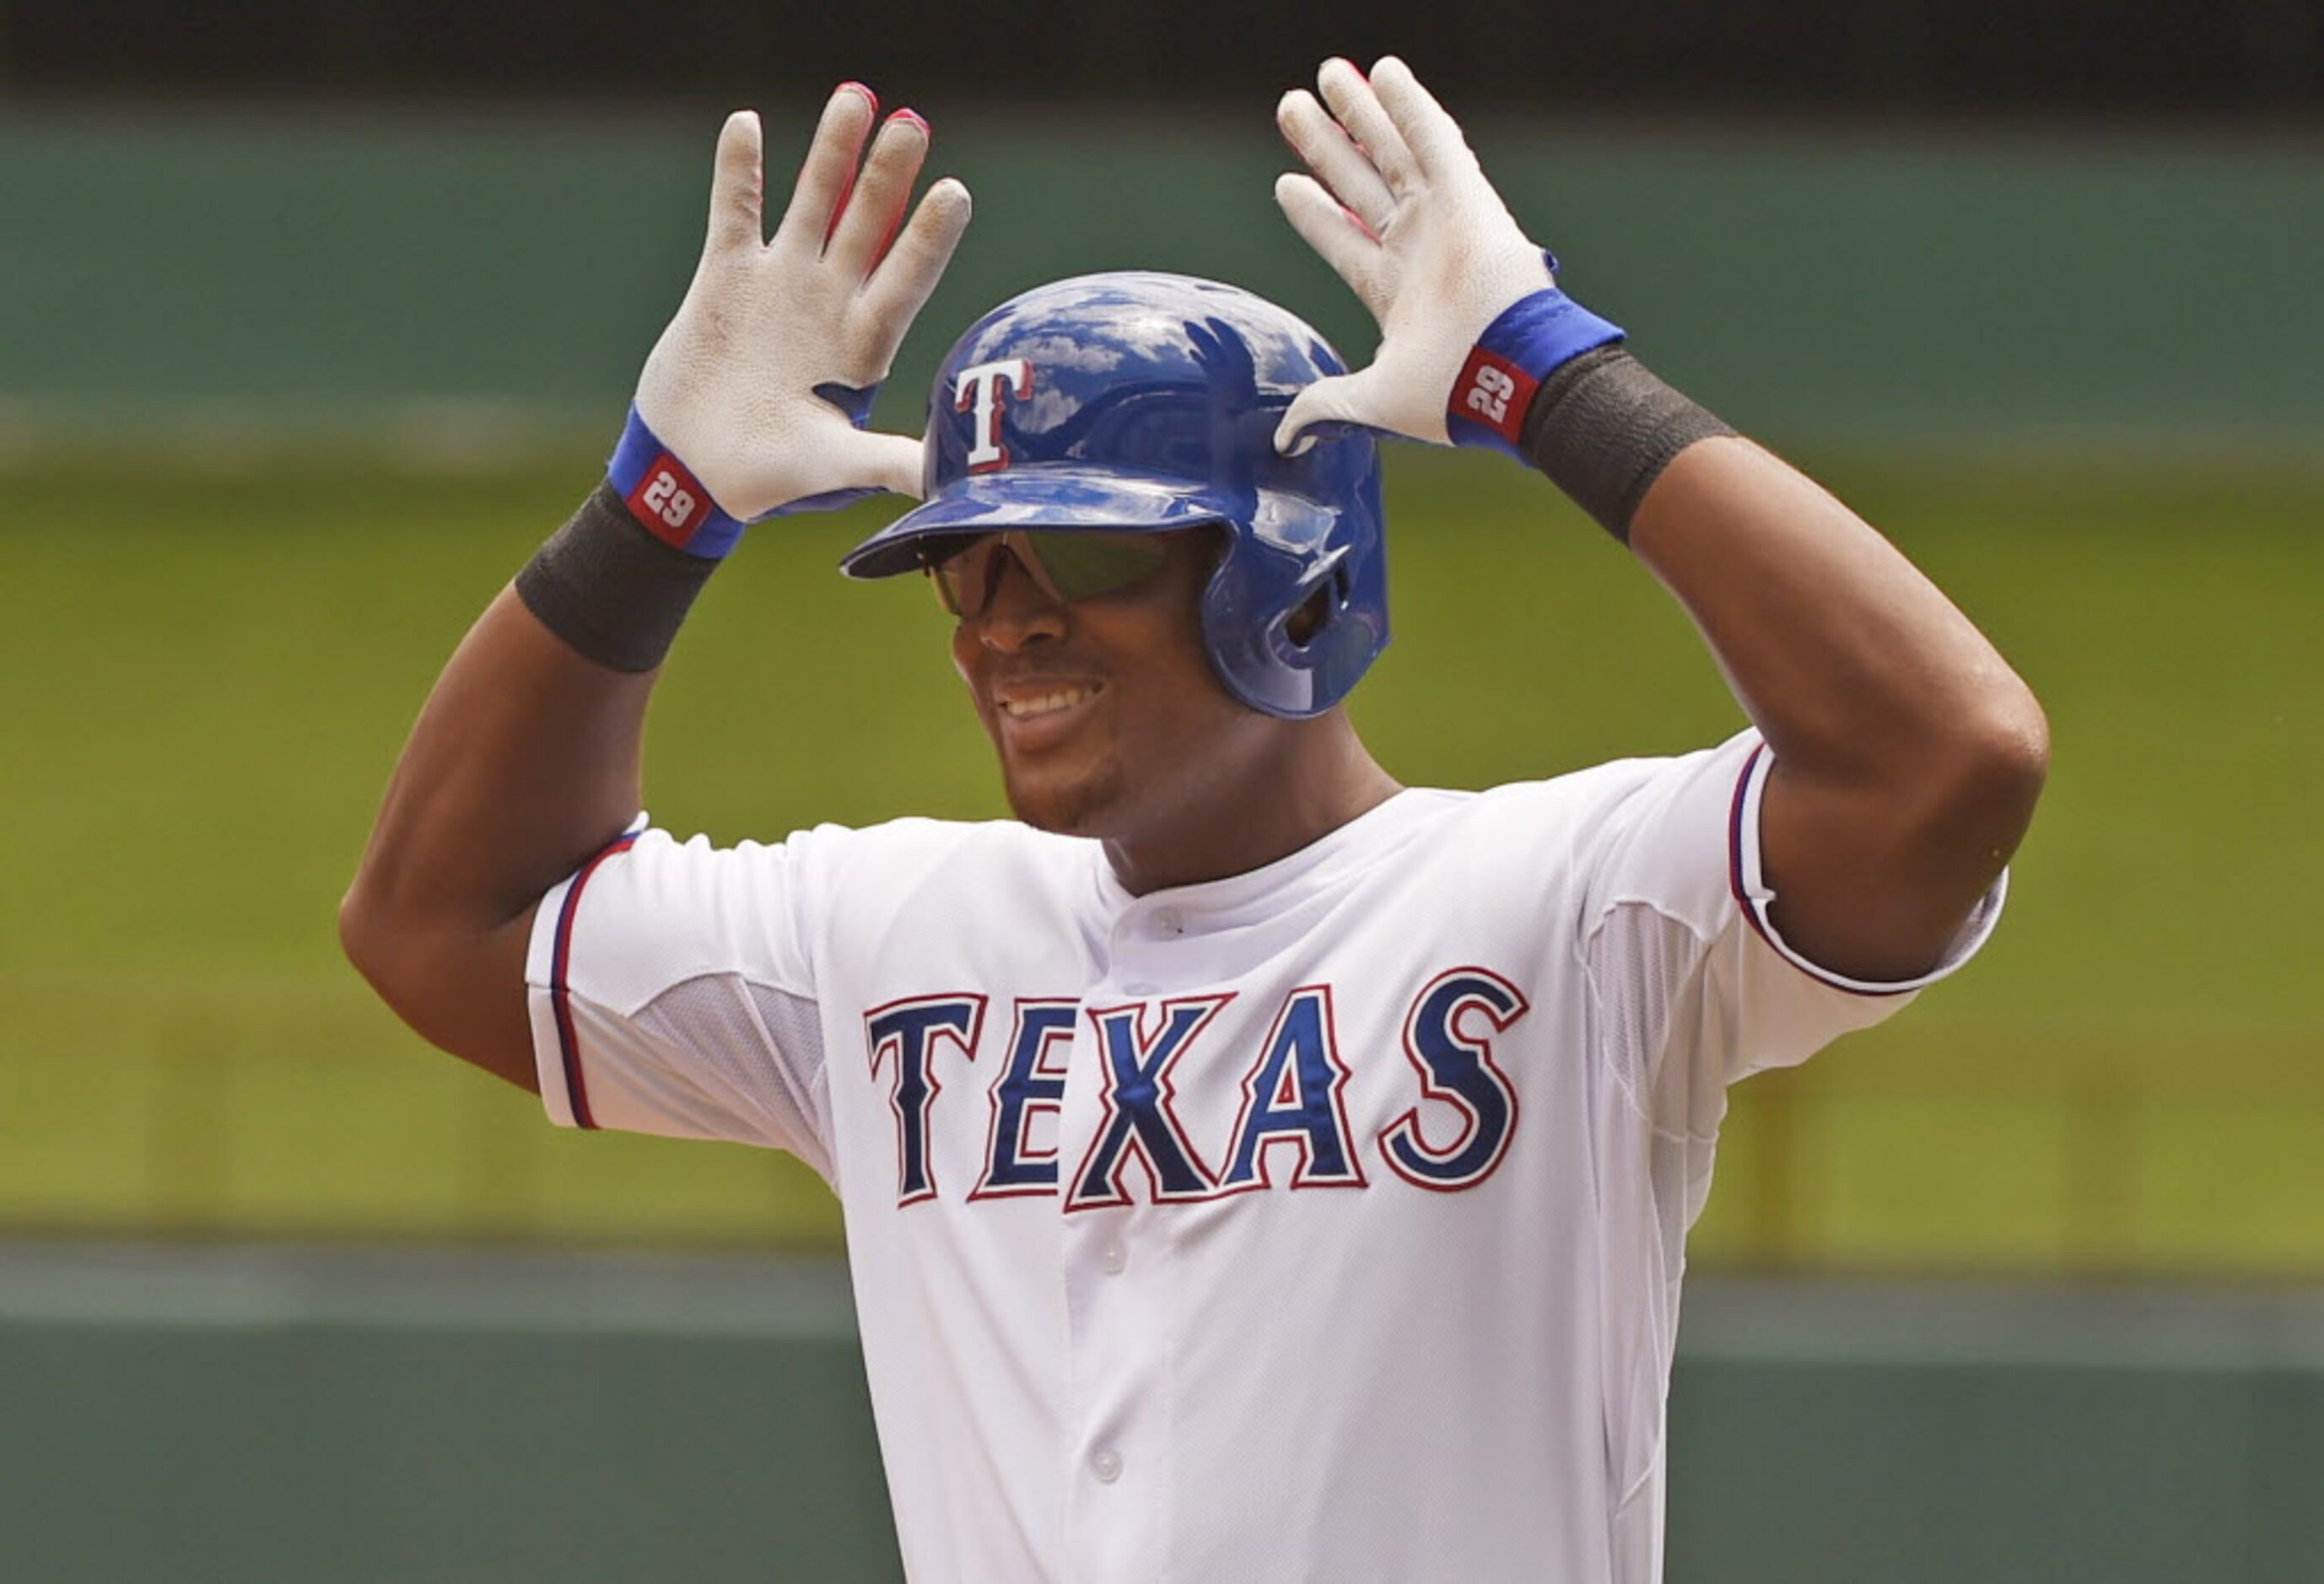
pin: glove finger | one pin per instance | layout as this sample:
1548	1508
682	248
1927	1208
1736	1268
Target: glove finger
1427	129
898	288
877	206
1339	236
1341	399
734	187
1359	109
829	168
1337	162
867	459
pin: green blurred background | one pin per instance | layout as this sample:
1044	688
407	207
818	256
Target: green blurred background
2019	1285
286	413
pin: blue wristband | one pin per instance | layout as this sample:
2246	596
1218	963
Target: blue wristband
671	503
665	497
1519	350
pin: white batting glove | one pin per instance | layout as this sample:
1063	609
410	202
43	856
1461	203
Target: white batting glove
1471	319
753	401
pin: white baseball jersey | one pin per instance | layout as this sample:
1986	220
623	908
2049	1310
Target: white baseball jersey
1322	1222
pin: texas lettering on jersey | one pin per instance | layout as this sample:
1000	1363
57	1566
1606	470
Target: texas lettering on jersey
1293	1120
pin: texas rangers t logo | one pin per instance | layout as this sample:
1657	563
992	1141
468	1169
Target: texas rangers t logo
980	387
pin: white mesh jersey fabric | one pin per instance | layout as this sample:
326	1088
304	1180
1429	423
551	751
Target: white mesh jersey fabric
1689	994
1657	1139
1323	1222
752	1057
668	1003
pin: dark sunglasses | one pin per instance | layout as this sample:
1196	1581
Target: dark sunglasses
1065	564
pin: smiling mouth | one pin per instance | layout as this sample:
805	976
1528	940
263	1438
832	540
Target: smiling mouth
1032	707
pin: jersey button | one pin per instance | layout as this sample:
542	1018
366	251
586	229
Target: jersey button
1168	923
1113	1259
1106	1466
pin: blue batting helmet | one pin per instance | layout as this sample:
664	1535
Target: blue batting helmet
1146	401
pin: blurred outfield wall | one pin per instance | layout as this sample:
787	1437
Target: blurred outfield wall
325	268
383	1417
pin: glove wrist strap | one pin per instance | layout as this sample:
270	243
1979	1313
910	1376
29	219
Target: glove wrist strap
664	498
1529	340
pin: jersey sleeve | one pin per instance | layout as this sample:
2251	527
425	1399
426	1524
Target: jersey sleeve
672	990
1681	944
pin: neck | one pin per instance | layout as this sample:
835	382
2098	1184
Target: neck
1323	778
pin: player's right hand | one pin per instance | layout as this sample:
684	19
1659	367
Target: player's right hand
762	384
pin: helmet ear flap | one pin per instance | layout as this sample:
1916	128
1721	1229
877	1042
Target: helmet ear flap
1325	602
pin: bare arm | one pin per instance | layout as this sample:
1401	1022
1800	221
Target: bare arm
1908	754
525	760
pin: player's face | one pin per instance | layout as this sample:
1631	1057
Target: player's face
1109	720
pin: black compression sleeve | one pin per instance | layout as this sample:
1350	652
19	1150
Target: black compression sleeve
608	588
1603	428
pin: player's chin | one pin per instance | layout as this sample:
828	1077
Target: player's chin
1065	800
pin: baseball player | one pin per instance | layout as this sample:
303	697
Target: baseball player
1252	1168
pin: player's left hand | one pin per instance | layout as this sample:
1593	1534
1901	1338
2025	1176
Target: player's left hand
1471	319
